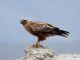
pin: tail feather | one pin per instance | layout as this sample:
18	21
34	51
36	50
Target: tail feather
61	32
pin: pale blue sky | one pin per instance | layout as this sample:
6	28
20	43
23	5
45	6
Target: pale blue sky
64	14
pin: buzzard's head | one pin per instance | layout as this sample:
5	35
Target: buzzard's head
24	22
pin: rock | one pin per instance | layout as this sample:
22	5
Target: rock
67	57
41	53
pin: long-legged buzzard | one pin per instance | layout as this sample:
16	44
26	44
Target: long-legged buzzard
42	30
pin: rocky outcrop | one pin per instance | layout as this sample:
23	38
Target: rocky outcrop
41	53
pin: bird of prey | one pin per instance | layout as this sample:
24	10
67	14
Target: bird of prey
42	30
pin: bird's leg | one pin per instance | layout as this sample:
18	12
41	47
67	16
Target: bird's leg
37	44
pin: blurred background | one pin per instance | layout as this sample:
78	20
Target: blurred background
64	14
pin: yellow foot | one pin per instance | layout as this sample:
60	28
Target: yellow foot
37	46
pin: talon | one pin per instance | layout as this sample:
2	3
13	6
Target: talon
37	45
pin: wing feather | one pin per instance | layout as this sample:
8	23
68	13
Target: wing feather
41	27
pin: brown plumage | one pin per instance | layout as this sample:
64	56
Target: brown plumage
42	30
